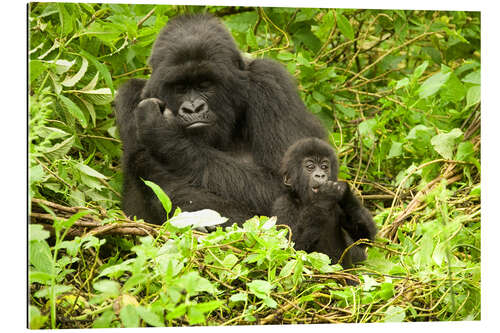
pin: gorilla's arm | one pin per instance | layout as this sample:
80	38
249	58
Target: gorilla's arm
358	221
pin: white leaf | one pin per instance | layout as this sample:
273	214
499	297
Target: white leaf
71	81
201	218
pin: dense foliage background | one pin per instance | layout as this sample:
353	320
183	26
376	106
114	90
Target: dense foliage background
399	92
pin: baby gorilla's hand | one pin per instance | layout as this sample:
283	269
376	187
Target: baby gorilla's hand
333	190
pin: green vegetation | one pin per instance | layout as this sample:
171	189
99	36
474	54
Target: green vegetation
399	92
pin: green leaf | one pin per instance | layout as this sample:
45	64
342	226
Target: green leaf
239	297
367	131
129	316
453	90
41	257
162	196
260	288
444	143
474	78
58	289
396	149
74	110
417	73
36	319
433	84
101	96
473	96
285	56
150	317
176	312
345	26
59	150
465	151
104	321
71	81
40	277
37	233
107	287
394	314
89	171
101	68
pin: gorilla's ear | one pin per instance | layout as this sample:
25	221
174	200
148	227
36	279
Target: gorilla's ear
286	180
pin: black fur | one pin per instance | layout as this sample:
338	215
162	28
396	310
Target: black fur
209	127
322	212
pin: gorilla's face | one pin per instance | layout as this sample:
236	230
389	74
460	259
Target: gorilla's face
190	100
307	165
206	92
316	170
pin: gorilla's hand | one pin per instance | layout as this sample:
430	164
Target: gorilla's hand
152	117
332	191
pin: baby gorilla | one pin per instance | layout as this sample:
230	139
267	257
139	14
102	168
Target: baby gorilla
323	213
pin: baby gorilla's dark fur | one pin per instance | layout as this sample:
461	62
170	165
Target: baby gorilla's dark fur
322	212
208	127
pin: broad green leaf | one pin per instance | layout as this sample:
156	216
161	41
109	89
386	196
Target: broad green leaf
89	171
58	289
465	151
417	73
104	321
150	317
444	143
195	316
367	131
453	90
66	20
474	78
162	196
396	150
176	312
91	85
59	150
61	65
101	68
74	110
433	84
108	287
473	96
36	68
129	316
36	319
71	81
402	83
345	26
285	56
239	297
40	277
260	288
37	233
40	256
394	314
99	96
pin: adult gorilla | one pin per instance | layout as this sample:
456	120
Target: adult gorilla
209	127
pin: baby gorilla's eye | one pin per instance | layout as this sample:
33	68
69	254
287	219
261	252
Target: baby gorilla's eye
324	166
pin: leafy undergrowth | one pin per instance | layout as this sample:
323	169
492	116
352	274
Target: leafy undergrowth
399	92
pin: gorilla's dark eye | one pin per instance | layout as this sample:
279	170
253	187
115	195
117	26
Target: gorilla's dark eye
180	88
324	166
204	85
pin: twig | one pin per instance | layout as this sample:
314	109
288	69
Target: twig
148	15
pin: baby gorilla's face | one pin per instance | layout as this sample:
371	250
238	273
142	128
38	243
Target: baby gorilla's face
317	170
